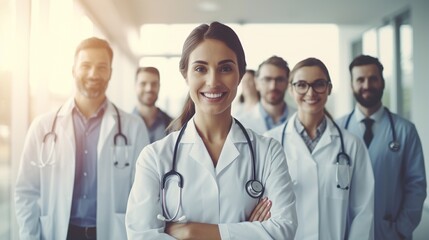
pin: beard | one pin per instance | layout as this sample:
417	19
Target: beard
370	101
147	101
275	97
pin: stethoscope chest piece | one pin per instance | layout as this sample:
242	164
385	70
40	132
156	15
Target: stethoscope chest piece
394	146
254	188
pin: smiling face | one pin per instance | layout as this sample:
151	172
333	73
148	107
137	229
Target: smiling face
147	88
92	71
310	103
368	85
213	78
272	84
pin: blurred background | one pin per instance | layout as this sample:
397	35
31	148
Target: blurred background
38	39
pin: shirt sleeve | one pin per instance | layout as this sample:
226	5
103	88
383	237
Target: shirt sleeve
279	189
144	201
414	184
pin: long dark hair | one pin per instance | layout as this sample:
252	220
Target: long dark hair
217	31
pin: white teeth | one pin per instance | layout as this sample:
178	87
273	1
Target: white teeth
311	101
213	95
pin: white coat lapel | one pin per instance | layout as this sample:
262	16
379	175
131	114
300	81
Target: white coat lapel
65	125
229	151
297	152
107	125
327	137
198	150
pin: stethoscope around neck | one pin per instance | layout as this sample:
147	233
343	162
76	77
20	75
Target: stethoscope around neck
254	187
50	160
342	160
393	145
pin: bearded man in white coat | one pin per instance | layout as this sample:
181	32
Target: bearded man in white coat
77	165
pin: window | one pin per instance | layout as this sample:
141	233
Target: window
6	56
392	44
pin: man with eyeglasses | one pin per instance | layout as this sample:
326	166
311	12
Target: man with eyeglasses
272	110
395	150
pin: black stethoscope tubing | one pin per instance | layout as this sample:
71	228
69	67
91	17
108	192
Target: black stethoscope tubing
340	155
119	133
254	187
394	145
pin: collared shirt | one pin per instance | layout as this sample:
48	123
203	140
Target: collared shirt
311	143
269	121
377	116
87	132
157	131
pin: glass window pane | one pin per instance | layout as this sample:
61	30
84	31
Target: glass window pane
406	63
386	56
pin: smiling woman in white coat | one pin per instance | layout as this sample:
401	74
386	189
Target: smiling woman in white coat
330	168
207	180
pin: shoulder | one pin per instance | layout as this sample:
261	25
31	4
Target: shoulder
401	122
165	116
342	120
45	120
165	144
129	117
275	132
265	143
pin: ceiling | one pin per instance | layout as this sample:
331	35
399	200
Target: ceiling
121	19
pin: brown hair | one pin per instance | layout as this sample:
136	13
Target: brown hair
310	62
276	61
94	42
362	60
152	70
217	31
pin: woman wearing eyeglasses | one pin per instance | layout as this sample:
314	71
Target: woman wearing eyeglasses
330	168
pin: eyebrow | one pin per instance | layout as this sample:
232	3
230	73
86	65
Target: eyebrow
219	63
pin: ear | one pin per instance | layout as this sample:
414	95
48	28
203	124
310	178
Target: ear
329	89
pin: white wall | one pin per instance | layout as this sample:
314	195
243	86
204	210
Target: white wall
419	108
342	97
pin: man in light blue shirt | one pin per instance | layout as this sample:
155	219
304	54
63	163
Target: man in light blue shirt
271	82
395	151
147	90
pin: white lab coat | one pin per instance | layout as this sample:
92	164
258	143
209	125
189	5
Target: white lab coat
326	212
400	178
44	195
254	120
214	195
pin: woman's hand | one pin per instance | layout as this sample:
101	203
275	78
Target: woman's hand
192	231
261	211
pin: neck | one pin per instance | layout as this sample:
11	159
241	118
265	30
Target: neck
213	128
369	111
275	111
311	122
148	113
88	106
